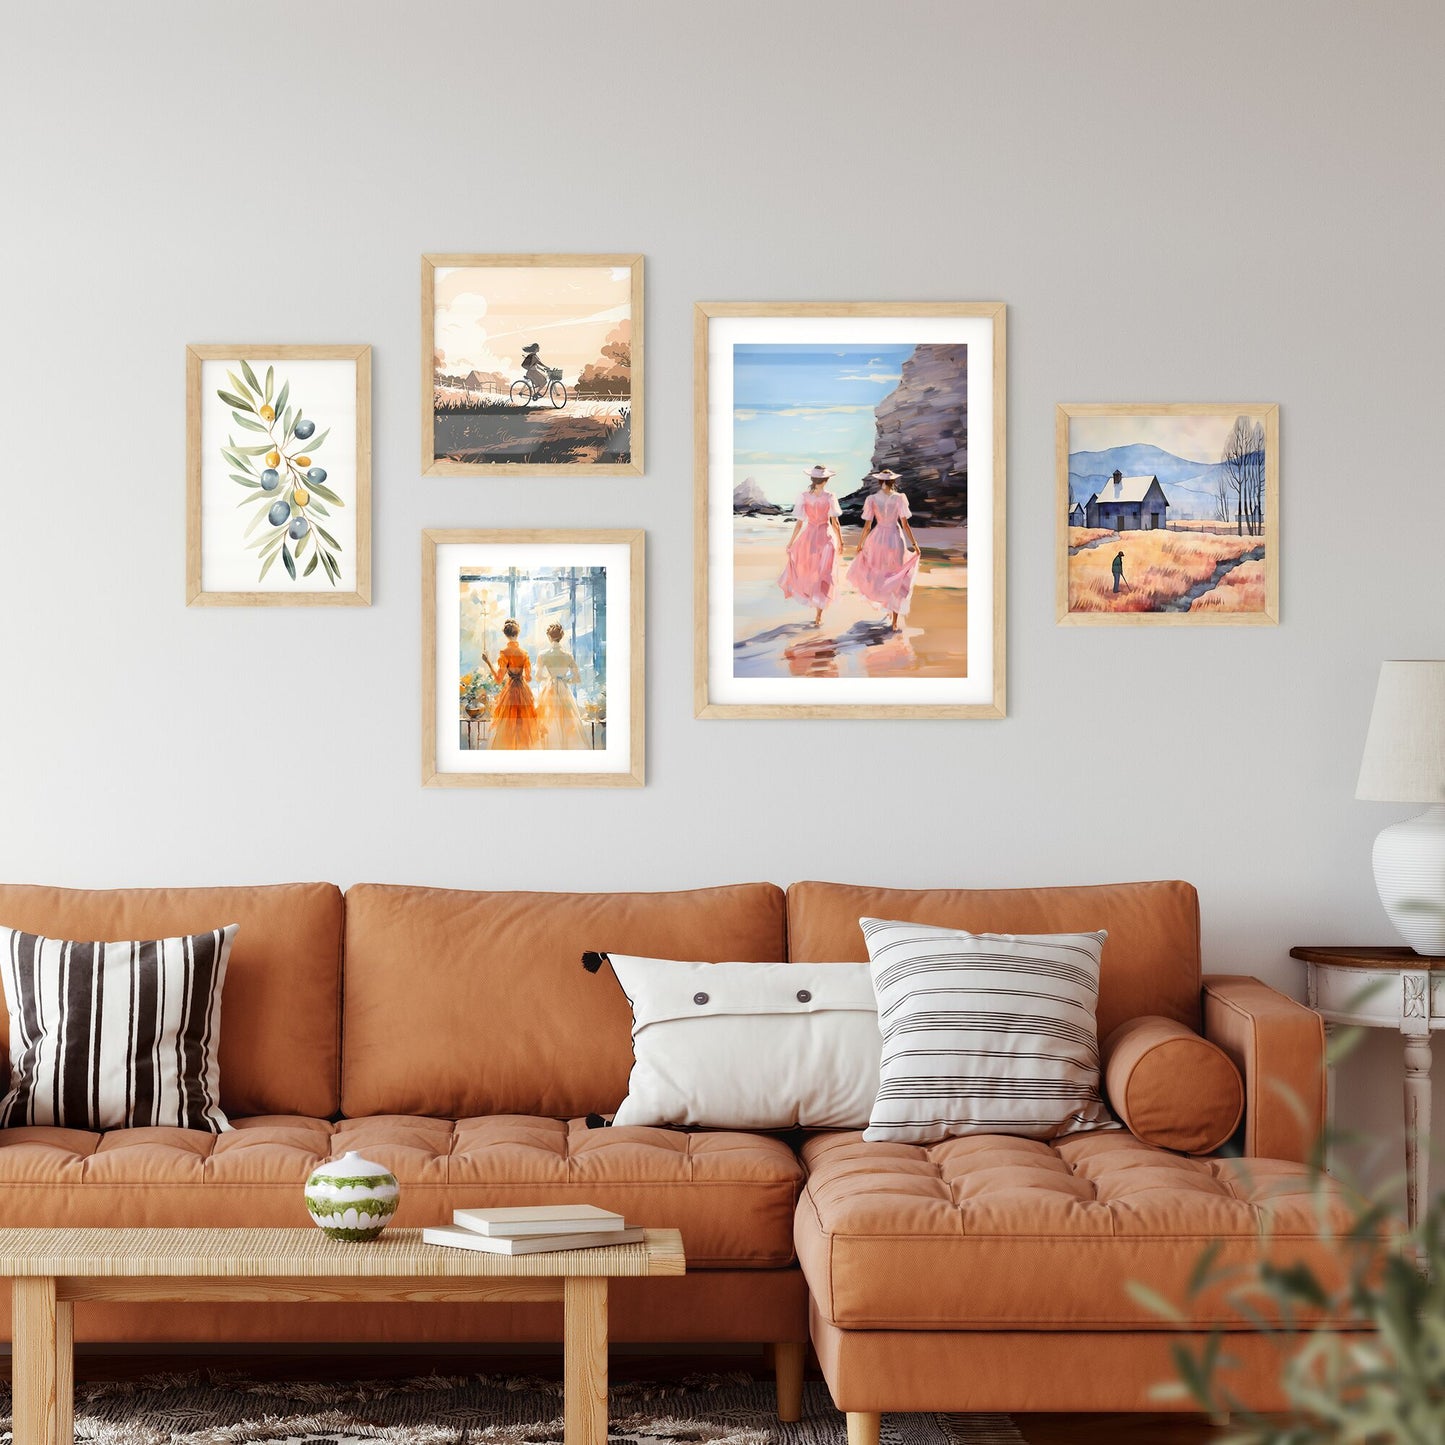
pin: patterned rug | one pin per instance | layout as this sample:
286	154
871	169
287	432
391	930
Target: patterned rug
222	1409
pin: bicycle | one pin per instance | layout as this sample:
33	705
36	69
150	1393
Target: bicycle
524	393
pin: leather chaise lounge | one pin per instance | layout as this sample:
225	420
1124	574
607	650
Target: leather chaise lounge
453	1037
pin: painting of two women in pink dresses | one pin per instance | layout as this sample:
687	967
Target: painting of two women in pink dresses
850	510
533	659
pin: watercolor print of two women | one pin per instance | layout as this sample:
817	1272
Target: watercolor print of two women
551	718
885	565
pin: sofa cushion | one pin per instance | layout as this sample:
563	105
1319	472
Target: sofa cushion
281	1019
1171	1087
731	1195
996	1232
1151	961
465	1004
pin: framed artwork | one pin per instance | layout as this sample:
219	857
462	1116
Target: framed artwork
849	536
1168	514
278	476
532	659
531	363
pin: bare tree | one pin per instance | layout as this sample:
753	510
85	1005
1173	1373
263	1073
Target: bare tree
1221	496
1238	471
1255	477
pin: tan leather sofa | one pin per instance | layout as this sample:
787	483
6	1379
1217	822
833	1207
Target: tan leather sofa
454	1037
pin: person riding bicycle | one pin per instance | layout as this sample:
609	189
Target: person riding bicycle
535	369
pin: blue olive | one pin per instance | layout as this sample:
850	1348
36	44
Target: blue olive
270	479
298	529
316	474
278	513
304	428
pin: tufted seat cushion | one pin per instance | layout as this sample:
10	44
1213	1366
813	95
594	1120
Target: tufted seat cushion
994	1232
731	1195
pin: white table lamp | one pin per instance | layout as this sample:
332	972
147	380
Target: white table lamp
1404	762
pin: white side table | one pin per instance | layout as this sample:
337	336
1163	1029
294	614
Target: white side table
1387	988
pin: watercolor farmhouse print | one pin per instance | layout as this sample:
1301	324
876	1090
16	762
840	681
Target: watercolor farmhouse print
1168	513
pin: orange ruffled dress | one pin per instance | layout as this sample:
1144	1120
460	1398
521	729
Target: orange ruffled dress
514	712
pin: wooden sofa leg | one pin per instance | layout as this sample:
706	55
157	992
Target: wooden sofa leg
788	1358
863	1427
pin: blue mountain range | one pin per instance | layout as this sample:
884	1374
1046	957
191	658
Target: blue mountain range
1189	485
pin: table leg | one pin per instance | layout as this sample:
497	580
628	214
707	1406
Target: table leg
584	1406
65	1372
34	1362
1417	1124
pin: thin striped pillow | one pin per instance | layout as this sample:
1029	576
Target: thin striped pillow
984	1033
115	1035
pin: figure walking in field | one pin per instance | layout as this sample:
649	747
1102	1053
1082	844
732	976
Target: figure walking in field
887	560
815	547
559	719
514	713
1119	580
535	369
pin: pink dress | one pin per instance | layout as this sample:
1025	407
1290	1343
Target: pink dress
884	568
812	571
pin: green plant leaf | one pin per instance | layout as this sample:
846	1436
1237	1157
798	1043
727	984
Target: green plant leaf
240	387
314	443
311	565
234	457
322	490
231	399
247	422
255	451
327	535
283	398
270	377
250	375
254	523
286	419
245	482
316	507
267	565
289	560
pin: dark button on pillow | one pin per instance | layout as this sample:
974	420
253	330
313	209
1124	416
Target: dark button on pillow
699	998
804	996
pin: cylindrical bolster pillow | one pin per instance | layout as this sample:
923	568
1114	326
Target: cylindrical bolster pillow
1171	1087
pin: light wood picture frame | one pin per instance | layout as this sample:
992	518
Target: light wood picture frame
254	416
560	703
532	363
1167	514
848	380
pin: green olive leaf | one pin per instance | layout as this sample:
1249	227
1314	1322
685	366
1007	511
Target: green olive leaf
247	422
315	506
322	490
327	535
270	377
231	399
267	565
282	399
289	560
314	443
311	565
250	376
255	451
245	482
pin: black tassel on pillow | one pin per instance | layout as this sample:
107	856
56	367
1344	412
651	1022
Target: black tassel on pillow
594	961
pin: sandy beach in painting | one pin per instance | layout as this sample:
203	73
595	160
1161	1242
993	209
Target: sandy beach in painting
774	636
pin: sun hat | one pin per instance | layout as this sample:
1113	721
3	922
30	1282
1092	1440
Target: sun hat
821	473
884	475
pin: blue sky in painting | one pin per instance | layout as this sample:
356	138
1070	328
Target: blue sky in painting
795	405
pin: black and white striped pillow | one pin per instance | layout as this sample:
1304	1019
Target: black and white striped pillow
984	1033
115	1035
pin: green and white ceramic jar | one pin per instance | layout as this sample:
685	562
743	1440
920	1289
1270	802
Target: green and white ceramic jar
351	1198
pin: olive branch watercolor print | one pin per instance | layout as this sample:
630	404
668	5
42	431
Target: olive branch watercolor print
288	491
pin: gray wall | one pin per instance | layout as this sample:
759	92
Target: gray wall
1178	201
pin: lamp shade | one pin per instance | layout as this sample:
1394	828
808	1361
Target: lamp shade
1404	758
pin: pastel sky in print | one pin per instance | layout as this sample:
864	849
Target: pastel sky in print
796	405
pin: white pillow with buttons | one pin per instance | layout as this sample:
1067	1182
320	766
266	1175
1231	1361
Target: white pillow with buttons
750	1045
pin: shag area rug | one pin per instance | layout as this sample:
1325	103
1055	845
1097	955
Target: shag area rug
223	1409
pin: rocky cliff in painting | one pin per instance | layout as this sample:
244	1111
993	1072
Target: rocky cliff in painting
749	500
922	433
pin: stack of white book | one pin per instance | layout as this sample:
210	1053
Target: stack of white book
533	1229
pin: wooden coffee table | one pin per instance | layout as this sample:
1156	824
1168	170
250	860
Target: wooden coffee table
50	1269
